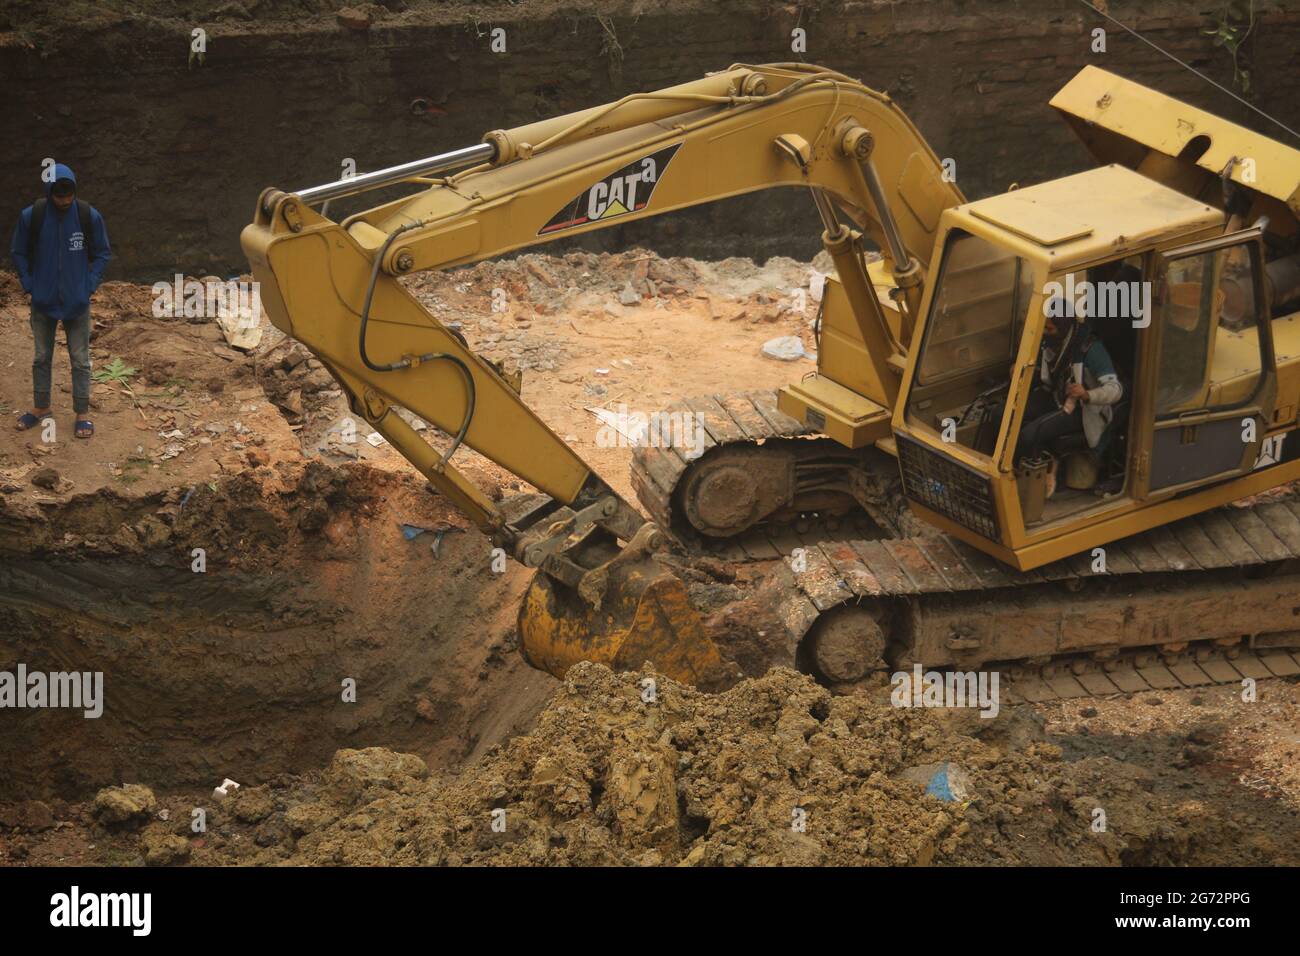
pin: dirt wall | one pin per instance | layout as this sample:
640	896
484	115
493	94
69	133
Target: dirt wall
239	671
175	152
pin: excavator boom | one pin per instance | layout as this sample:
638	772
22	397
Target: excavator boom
335	287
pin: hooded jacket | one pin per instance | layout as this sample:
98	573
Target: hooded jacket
59	277
1099	378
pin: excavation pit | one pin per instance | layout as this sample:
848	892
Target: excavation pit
249	627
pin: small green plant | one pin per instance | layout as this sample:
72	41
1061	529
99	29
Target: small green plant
115	371
119	373
1233	28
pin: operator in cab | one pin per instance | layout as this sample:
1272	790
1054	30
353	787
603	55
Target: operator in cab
1077	387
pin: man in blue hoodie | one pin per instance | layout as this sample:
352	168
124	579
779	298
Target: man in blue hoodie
60	249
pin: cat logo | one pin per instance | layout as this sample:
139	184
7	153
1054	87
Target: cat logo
1270	452
623	191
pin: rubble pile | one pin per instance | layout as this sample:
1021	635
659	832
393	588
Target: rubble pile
634	769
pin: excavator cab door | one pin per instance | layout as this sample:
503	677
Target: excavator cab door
1209	369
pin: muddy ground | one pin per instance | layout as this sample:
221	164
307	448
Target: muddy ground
309	581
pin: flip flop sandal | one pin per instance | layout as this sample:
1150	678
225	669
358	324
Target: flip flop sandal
27	420
86	426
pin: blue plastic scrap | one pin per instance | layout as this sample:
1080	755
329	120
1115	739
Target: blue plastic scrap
939	786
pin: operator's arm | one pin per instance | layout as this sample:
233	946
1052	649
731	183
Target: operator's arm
1100	367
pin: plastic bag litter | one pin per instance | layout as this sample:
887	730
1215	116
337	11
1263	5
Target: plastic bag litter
950	783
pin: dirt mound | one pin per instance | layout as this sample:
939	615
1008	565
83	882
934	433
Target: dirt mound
633	769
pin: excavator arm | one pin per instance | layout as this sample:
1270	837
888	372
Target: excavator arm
334	287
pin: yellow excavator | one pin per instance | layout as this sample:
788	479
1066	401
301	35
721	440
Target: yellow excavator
1180	254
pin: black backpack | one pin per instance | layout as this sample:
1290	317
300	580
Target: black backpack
38	218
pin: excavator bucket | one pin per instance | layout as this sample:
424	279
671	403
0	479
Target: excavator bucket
643	616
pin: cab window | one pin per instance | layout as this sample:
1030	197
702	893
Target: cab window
977	311
977	315
1210	350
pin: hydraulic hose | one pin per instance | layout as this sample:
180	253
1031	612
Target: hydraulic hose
428	357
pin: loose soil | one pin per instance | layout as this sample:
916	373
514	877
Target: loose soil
633	769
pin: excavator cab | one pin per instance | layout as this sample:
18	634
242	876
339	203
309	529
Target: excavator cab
1144	283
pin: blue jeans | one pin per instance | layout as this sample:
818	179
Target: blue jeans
78	333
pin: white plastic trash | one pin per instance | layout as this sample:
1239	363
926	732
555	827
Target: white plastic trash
816	284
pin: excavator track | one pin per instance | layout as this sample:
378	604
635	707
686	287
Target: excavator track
1211	599
744	418
759	473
